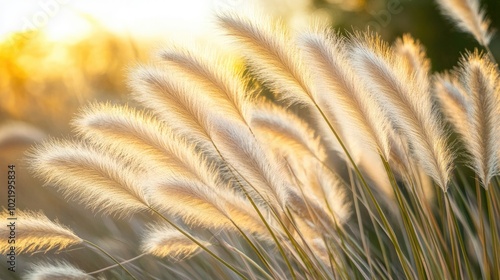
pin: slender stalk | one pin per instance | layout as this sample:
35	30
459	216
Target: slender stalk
280	248
360	224
249	260
406	216
482	232
232	268
232	170
259	255
493	232
362	198
490	54
109	256
408	271
461	243
118	264
302	254
454	251
443	215
432	231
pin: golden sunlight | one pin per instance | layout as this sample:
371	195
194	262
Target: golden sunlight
70	20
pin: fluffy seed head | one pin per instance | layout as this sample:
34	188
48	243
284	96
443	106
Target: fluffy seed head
58	271
34	231
469	17
480	78
407	102
166	242
95	177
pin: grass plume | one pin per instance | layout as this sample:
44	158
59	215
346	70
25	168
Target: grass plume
469	17
213	72
97	179
454	101
59	270
480	78
407	102
164	241
35	232
329	56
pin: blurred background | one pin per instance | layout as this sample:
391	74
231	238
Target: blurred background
58	55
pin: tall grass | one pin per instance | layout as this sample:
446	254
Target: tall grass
367	181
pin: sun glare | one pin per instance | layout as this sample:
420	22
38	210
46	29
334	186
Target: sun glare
62	20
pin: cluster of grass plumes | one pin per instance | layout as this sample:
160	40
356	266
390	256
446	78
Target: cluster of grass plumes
363	182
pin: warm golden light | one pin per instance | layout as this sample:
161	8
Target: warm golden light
67	20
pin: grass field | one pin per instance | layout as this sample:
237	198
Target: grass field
275	152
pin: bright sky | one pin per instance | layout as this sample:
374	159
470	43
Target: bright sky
66	19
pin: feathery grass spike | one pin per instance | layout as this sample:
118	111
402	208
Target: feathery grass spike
481	80
276	61
340	86
169	97
407	103
139	135
469	17
414	55
60	270
454	101
249	159
290	137
198	204
212	72
164	241
99	180
34	232
271	54
284	131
